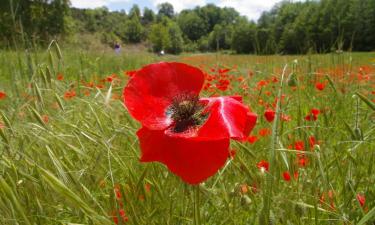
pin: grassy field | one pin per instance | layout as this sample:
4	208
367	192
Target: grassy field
69	153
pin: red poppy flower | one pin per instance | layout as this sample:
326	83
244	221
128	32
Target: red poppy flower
60	77
69	94
119	215
263	165
361	199
299	145
190	135
265	132
252	139
286	176
303	161
269	114
320	86
313	116
3	95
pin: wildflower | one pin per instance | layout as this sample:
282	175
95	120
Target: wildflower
60	77
69	94
320	86
361	199
312	142
285	118
313	116
130	73
269	114
252	139
3	95
244	188
286	176
148	187
263	166
303	161
190	135
296	175
119	215
232	153
261	84
45	118
299	145
265	132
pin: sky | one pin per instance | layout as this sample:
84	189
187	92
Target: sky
250	8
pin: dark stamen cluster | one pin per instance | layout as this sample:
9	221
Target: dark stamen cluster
186	111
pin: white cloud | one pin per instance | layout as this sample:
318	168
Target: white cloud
94	3
250	8
179	5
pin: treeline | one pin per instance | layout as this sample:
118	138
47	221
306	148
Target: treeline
288	28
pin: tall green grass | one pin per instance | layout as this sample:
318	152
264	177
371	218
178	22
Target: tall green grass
65	170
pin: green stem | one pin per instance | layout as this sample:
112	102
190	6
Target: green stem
197	217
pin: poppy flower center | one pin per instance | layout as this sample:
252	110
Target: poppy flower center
186	111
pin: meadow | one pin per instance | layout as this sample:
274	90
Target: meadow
70	154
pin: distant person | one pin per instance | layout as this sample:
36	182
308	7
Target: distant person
117	48
161	53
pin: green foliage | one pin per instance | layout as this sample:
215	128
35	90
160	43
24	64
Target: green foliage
193	26
165	9
166	36
148	16
65	170
244	36
135	12
288	28
133	30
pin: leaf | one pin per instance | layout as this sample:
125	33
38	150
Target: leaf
366	100
368	217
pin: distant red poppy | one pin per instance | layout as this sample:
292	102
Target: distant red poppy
303	161
252	139
69	94
3	95
190	135
285	118
261	84
130	73
60	77
313	116
320	86
119	215
286	176
269	114
263	166
312	142
299	145
232	153
265	132
361	199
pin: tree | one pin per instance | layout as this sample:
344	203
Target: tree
159	37
193	26
220	37
133	30
135	12
166	35
148	16
243	38
175	36
165	9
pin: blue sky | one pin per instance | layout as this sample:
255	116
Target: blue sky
250	8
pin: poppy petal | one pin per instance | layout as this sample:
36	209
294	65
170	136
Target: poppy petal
192	159
228	117
152	89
